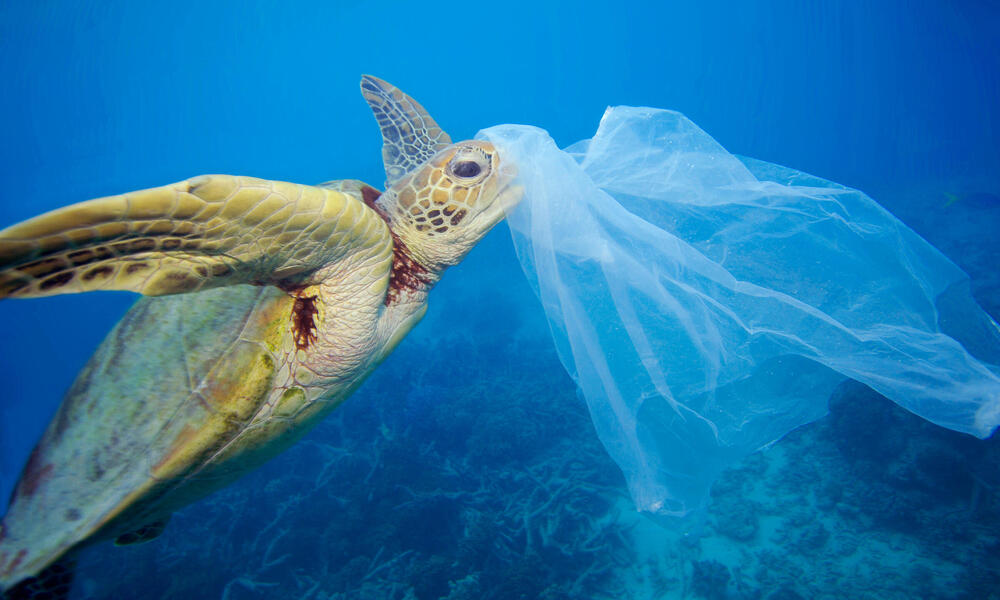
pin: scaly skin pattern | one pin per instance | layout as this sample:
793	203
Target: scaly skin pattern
197	234
164	414
411	136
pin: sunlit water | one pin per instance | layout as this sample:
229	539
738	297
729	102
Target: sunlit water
466	467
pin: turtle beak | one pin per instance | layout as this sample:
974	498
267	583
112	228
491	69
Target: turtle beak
503	202
510	193
509	197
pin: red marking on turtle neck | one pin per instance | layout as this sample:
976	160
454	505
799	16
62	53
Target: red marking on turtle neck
407	273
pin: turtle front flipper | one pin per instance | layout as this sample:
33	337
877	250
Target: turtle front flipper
410	136
205	232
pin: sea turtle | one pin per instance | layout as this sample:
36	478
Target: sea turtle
301	292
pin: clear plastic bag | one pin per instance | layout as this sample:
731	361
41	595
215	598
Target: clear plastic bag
706	304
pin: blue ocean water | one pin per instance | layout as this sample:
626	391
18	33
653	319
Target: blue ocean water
466	467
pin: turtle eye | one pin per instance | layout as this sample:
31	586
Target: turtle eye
469	165
466	168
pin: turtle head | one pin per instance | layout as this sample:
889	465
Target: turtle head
445	206
441	198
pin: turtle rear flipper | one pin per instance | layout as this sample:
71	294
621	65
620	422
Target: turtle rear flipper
206	232
144	534
53	583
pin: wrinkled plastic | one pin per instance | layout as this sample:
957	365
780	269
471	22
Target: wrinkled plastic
706	305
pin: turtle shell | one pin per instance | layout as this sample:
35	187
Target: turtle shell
144	427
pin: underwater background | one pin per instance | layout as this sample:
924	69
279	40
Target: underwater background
467	467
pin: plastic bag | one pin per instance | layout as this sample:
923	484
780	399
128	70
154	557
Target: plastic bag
706	305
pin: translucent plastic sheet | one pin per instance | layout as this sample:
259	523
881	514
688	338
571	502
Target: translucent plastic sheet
706	305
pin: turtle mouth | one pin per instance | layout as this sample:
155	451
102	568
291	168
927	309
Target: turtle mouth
508	198
500	206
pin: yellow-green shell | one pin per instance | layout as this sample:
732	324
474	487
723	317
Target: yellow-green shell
190	391
283	307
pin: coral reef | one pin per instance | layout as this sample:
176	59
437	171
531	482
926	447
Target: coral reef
487	482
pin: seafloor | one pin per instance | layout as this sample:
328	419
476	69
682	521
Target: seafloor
467	468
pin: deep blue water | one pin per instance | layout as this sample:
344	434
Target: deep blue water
435	477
